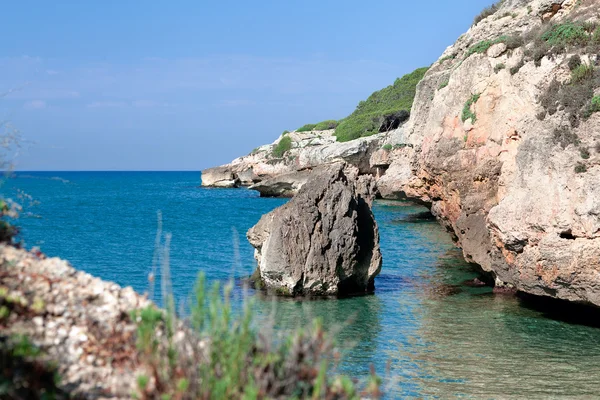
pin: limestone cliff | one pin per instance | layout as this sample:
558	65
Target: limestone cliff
288	172
503	145
503	157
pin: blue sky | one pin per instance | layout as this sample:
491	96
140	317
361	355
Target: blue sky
156	85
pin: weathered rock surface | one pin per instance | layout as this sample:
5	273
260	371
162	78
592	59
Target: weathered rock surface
519	201
324	241
285	185
309	150
220	177
81	323
503	184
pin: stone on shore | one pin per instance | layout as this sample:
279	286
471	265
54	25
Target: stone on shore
324	241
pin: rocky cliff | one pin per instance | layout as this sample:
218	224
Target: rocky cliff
502	144
505	150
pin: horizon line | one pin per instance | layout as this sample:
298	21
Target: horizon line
103	170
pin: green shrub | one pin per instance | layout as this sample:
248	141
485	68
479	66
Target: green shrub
517	68
306	128
596	36
284	145
574	62
285	133
444	83
370	115
387	147
581	73
8	211
595	107
236	360
484	45
584	152
466	112
568	33
580	168
499	67
565	137
326	125
513	41
486	12
448	57
26	372
575	98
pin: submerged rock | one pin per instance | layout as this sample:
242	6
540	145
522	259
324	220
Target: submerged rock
324	241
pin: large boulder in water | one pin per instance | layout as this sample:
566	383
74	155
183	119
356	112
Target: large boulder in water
324	241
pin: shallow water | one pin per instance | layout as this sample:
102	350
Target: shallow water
440	338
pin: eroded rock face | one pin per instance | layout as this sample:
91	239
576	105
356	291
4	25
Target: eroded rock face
310	150
285	185
505	186
220	177
324	241
80	321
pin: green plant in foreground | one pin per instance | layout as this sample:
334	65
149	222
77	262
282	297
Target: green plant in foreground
236	360
26	373
283	146
499	67
285	133
466	112
387	147
584	152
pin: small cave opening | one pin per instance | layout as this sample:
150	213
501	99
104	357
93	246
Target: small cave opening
568	234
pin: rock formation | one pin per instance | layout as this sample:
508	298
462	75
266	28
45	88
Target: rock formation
324	241
80	321
510	170
503	145
284	176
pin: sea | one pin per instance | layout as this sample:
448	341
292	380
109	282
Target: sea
425	330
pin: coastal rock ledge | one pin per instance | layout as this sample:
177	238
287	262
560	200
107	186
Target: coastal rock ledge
324	241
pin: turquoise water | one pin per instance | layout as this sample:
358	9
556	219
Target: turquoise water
430	335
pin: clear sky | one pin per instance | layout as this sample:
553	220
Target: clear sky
185	85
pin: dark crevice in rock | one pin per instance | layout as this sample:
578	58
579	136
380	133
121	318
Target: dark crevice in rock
568	234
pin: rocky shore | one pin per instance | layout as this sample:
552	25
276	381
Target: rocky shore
79	322
502	145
